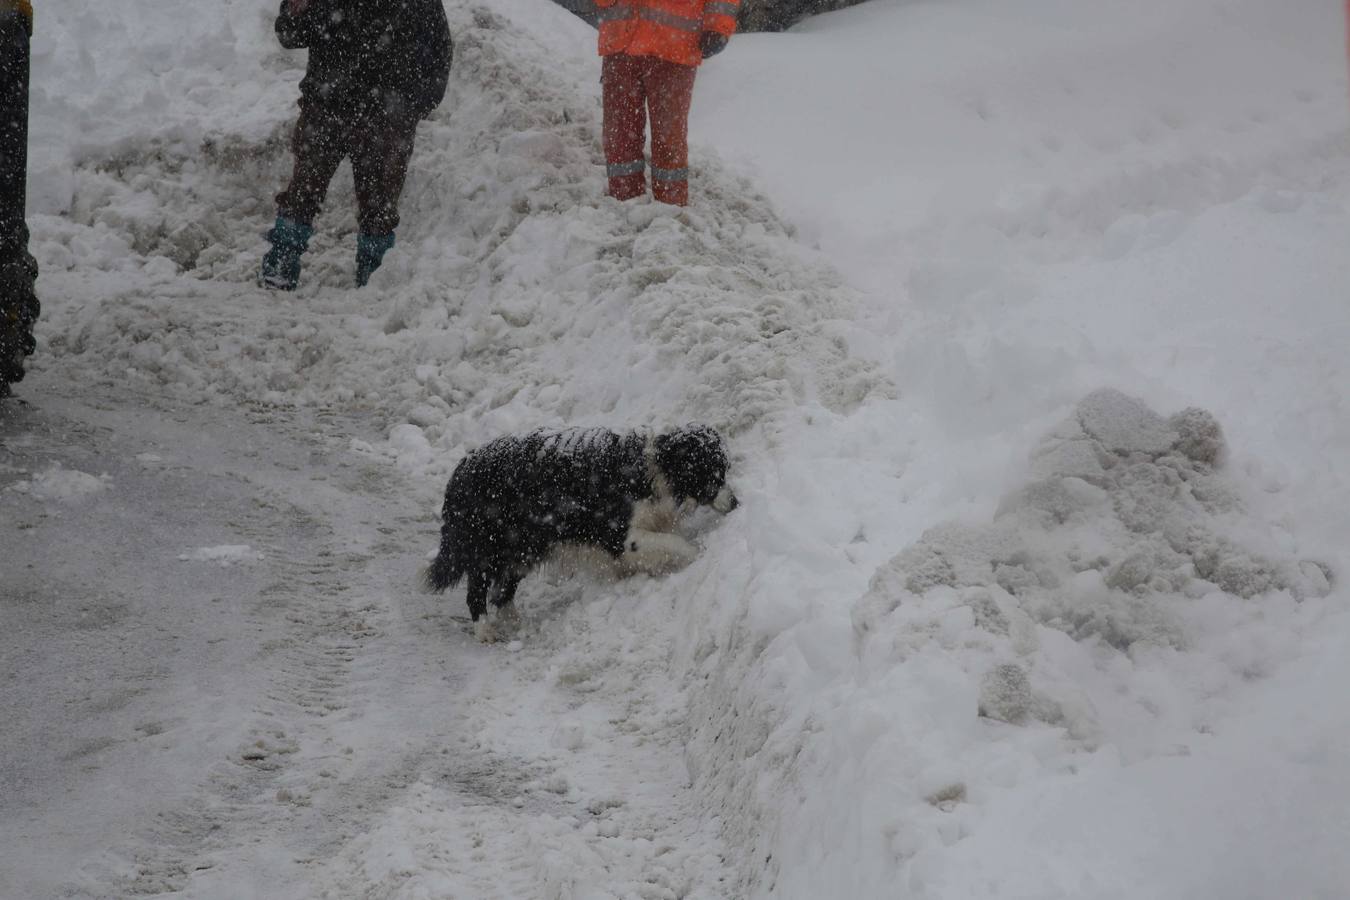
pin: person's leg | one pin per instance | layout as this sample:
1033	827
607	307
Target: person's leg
19	306
670	89
381	151
318	144
625	125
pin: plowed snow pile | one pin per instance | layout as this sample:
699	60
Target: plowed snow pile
518	296
1110	613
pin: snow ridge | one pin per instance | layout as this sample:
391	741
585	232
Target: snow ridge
510	269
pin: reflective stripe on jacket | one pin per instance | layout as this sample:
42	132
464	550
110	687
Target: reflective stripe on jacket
667	29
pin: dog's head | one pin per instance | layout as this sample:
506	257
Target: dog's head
694	463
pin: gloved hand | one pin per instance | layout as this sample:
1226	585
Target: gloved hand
711	43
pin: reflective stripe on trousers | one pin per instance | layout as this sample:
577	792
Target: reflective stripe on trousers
620	169
670	174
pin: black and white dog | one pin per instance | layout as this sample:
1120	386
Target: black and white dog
511	502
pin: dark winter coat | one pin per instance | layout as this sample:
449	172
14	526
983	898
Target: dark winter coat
366	55
15	27
19	306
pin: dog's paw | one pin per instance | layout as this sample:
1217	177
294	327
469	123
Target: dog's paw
484	631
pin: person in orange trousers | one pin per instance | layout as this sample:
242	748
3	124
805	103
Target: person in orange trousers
651	50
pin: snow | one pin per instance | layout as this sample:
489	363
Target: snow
1025	325
57	483
224	555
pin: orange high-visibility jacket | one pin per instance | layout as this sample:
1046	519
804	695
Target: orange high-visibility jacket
667	29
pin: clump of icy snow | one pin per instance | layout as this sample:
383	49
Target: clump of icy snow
1122	425
1005	694
1199	435
224	555
62	484
1128	517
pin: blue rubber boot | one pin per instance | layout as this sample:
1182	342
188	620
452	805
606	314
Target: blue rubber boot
281	266
370	250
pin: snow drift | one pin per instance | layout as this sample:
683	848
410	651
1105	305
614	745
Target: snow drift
1102	614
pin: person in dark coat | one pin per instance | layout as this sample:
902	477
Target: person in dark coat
19	306
376	69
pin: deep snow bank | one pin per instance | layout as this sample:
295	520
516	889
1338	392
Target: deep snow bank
517	296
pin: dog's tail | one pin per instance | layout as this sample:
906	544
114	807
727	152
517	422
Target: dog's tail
444	572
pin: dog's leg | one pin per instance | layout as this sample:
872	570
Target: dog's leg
477	598
505	593
505	598
655	552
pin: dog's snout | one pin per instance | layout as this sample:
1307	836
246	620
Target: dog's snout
725	501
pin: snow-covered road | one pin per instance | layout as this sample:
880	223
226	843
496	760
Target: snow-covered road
199	604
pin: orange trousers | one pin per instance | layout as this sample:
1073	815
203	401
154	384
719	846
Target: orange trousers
633	86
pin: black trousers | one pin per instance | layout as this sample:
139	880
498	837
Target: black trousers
379	147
